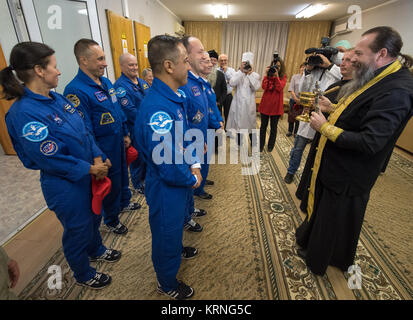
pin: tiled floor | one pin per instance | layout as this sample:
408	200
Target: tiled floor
20	195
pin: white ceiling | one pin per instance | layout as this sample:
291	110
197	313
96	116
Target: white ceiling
262	10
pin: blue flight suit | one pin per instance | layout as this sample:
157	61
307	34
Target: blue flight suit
104	117
198	118
49	135
130	96
215	116
168	185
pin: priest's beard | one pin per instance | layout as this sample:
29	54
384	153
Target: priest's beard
212	77
362	74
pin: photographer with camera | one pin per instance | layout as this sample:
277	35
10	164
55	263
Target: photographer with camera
319	69
242	113
272	102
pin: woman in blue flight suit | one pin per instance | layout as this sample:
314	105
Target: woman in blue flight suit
49	135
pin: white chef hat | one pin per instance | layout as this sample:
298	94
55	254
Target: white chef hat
248	56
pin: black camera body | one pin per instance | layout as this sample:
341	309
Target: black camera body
273	66
325	50
247	65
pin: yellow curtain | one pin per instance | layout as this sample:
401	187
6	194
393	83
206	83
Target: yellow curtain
210	33
303	35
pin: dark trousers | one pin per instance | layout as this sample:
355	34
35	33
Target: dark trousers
293	126
227	105
273	132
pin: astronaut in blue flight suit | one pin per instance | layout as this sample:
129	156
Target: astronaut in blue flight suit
130	91
49	135
198	117
161	119
95	97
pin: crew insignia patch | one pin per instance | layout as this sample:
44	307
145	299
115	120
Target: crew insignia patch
121	92
101	96
161	122
35	131
106	119
73	99
198	117
48	148
195	91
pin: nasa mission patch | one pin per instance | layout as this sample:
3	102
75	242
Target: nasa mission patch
161	122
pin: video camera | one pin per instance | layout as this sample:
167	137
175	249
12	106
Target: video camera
273	65
325	50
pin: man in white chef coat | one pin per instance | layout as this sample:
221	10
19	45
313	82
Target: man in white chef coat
242	114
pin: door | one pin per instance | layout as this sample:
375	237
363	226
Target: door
142	35
4	107
121	38
8	39
60	24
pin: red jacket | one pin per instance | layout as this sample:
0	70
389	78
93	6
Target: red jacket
272	102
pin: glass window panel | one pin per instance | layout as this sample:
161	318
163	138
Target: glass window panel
8	38
62	23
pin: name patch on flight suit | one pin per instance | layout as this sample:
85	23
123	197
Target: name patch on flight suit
195	91
112	93
35	131
48	148
74	99
106	119
69	108
101	96
198	117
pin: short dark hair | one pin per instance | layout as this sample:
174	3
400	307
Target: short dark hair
386	37
161	48
23	58
82	46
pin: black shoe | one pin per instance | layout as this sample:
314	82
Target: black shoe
119	229
302	253
99	281
288	134
205	196
189	253
288	178
182	292
110	255
198	213
132	207
192	226
209	182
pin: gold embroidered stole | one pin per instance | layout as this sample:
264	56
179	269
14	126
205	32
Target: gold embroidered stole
341	106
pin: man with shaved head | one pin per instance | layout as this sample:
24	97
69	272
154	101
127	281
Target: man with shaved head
130	90
94	97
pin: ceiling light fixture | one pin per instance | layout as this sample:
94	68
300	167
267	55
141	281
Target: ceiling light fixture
311	10
220	10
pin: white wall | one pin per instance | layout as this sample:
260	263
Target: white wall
397	15
154	15
148	12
